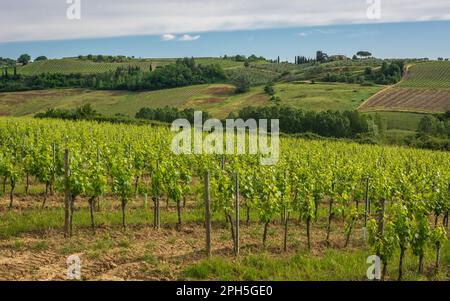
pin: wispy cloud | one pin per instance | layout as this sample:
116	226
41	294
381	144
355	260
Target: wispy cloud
46	19
168	37
183	38
187	38
346	32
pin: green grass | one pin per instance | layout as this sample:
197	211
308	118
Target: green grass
400	120
40	246
38	221
324	96
333	265
254	264
218	99
106	102
428	75
15	223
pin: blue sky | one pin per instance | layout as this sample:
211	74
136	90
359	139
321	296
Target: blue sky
393	40
174	28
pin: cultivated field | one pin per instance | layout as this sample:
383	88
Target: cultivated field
117	197
425	89
428	75
75	65
67	66
409	100
219	100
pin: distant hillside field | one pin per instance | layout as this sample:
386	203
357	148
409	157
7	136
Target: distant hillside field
425	89
431	75
218	99
315	71
83	66
74	65
324	96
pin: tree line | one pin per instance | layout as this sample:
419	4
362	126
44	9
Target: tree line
346	124
184	72
86	112
243	58
169	114
433	132
105	58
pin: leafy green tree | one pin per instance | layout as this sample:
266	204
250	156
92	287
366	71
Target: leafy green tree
364	54
321	56
242	84
40	58
427	125
24	59
269	89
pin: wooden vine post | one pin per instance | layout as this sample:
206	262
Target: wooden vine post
207	215
27	176
52	180
446	214
98	161
286	221
236	251
156	207
380	222
67	194
330	218
366	210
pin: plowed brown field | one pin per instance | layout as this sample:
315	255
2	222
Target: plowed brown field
409	100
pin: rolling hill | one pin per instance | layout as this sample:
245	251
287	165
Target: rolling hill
218	99
83	66
423	90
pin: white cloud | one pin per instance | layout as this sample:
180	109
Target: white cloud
347	32
188	38
168	37
46	19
